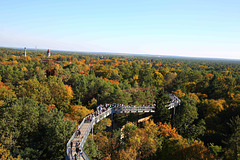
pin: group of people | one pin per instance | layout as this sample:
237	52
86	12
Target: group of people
174	99
77	146
100	109
78	150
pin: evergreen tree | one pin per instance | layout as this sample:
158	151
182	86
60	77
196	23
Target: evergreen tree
233	151
186	120
162	114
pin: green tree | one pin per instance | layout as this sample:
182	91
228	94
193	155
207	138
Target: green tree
162	114
233	150
186	120
59	93
54	133
6	94
17	122
102	125
91	148
29	130
34	90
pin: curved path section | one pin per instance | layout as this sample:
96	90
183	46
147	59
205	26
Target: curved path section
86	126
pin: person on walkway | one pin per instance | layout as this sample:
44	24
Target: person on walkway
77	146
77	149
75	157
80	153
71	145
79	132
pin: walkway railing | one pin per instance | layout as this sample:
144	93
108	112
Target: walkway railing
93	122
73	136
109	111
132	109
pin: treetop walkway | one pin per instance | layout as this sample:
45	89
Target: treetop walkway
86	126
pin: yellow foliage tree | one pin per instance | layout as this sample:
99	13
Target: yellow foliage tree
159	79
226	73
24	69
5	154
195	151
127	154
209	75
151	128
78	112
190	86
215	106
69	91
103	143
167	130
193	96
201	96
5	93
177	147
179	93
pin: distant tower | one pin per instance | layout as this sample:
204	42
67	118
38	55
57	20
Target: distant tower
48	53
36	49
25	52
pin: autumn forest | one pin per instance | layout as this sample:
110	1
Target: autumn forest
43	99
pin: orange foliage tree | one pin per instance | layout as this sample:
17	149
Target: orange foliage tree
6	93
179	93
177	147
5	154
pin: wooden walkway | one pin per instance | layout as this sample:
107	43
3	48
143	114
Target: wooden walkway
85	127
83	130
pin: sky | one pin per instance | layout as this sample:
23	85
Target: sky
193	28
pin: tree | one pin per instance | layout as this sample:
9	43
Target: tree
195	151
31	88
162	114
77	113
5	154
127	154
29	130
17	123
102	140
217	88
6	94
176	147
233	142
158	79
61	95
142	141
102	125
214	106
186	120
91	148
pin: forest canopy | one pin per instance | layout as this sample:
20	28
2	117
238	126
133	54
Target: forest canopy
42	99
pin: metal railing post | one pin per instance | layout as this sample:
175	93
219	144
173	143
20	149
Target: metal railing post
92	132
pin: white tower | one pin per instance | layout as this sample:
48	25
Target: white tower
25	52
48	53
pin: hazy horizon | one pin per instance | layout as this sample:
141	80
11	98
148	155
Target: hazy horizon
124	54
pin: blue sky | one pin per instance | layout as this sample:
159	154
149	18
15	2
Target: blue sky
196	28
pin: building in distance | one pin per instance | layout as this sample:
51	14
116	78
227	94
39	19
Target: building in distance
48	53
